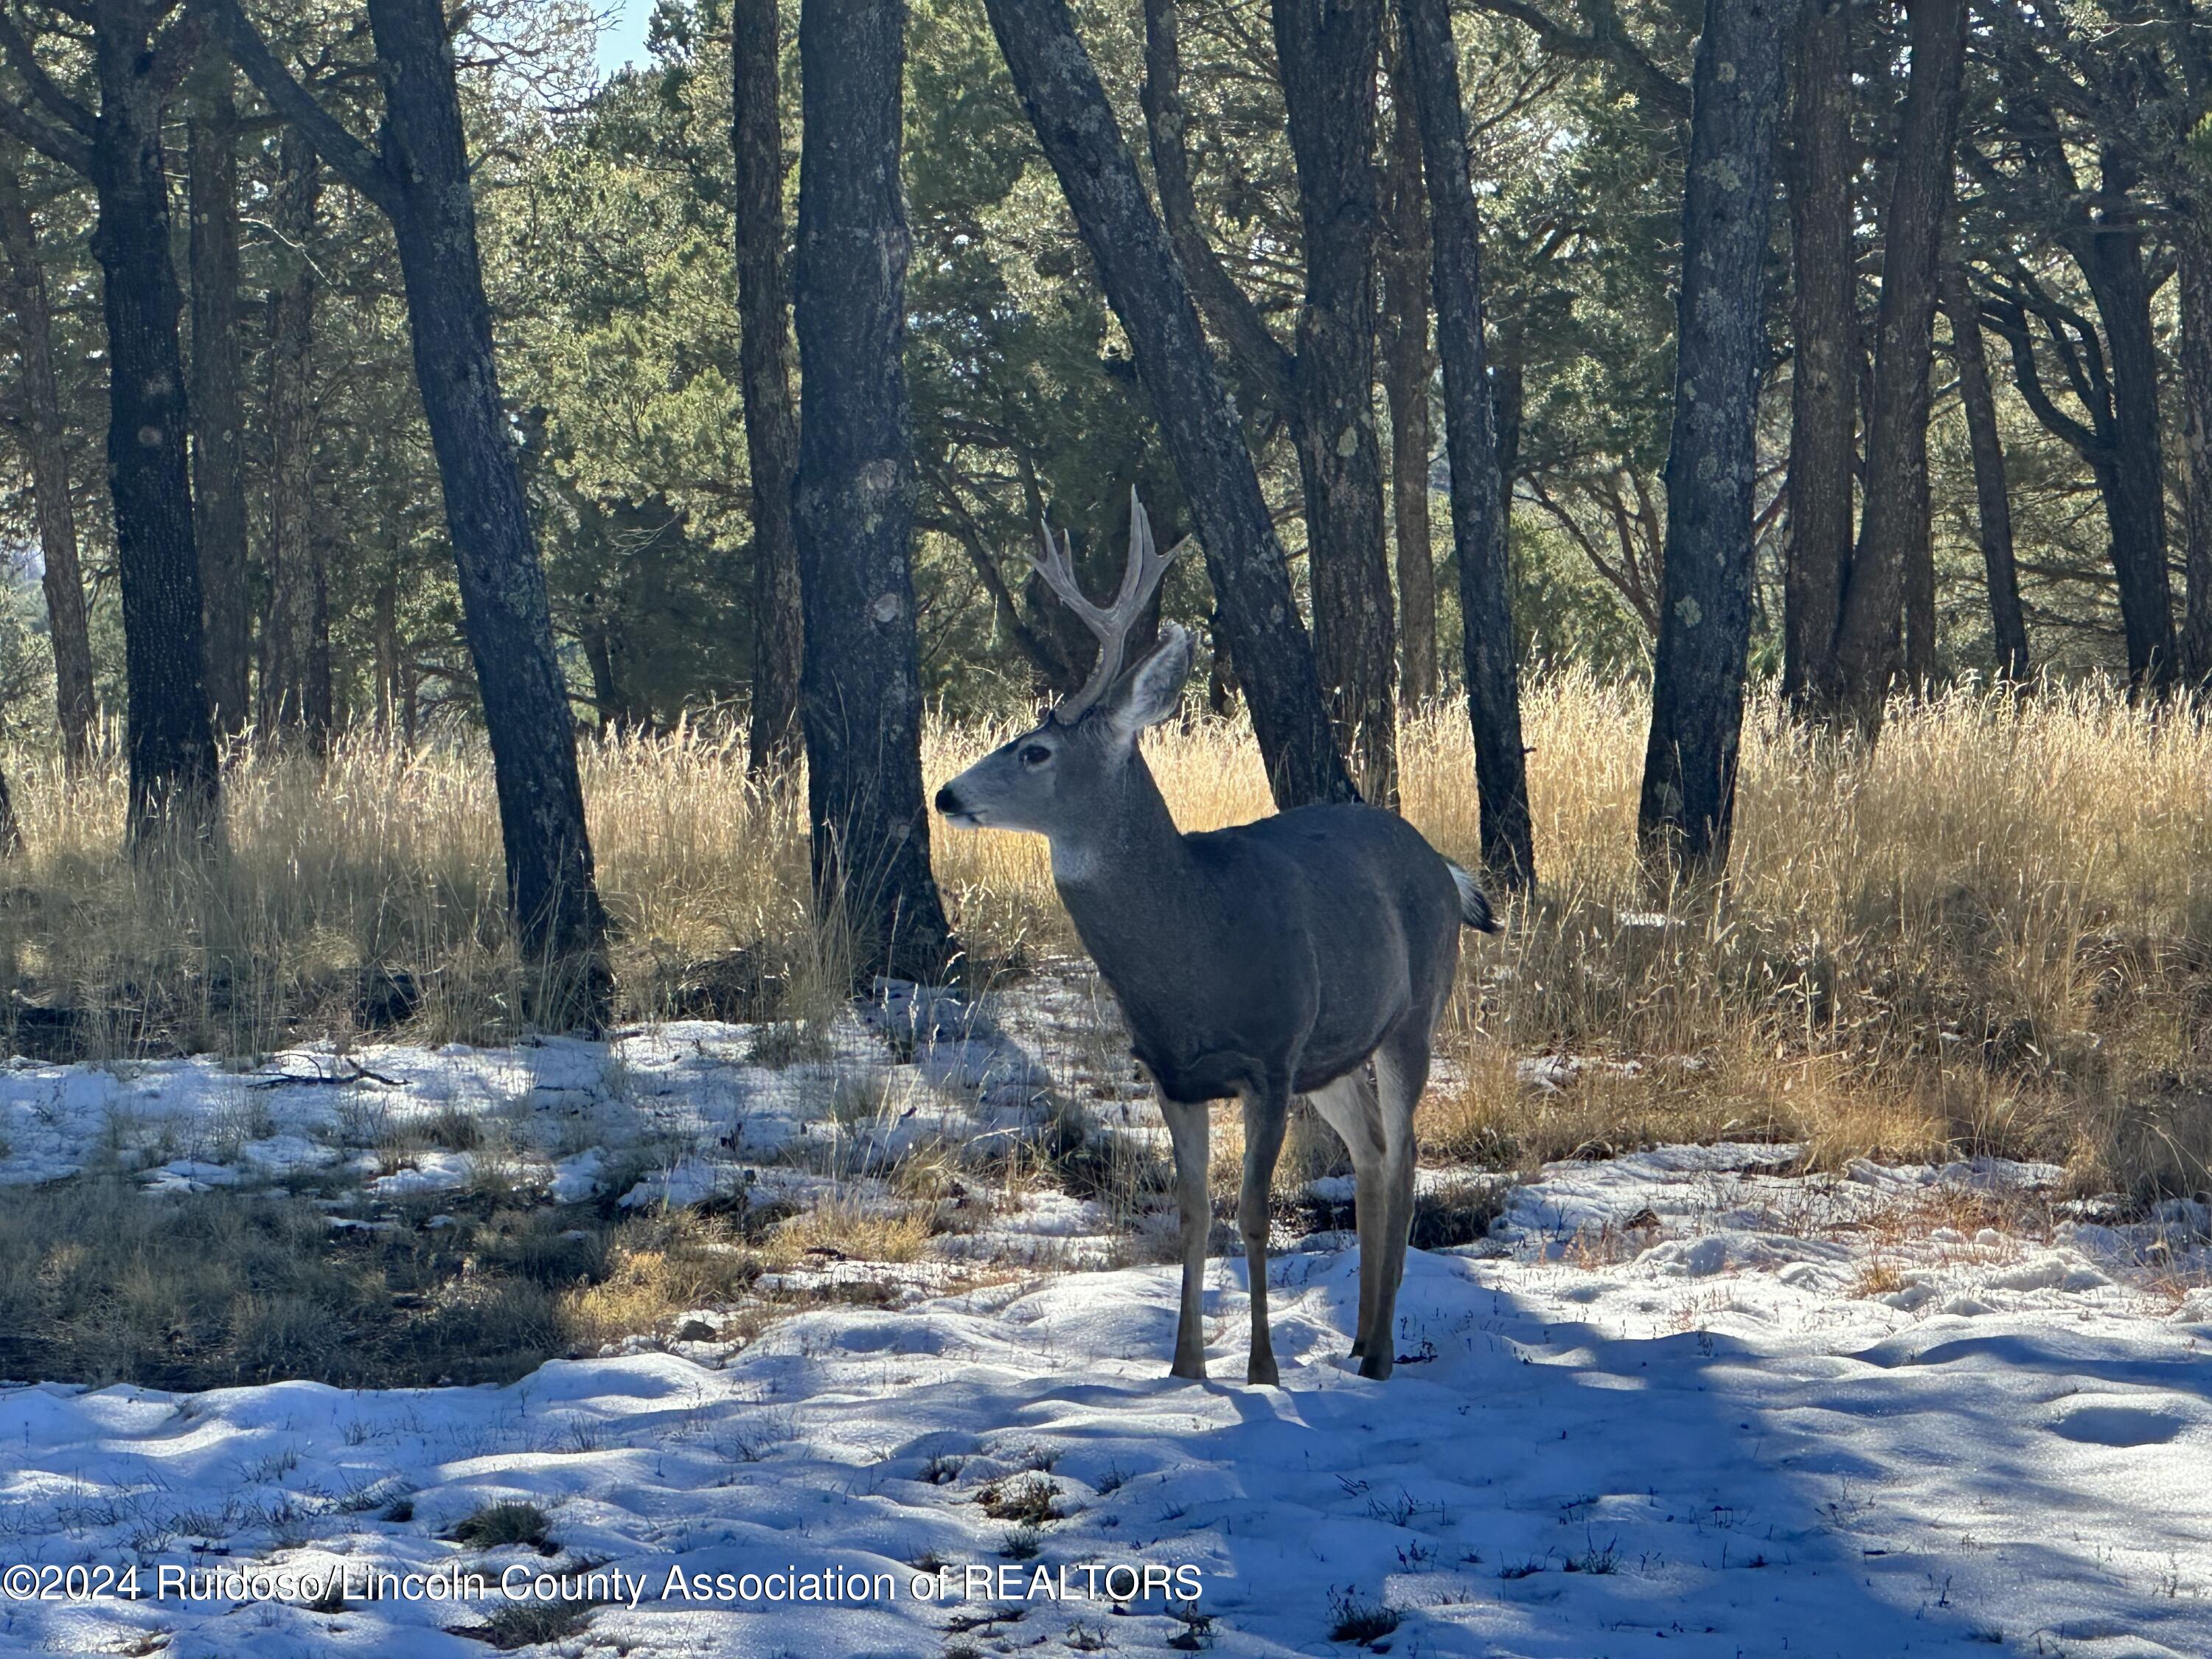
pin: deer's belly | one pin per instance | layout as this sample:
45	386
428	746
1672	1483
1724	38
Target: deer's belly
1200	1074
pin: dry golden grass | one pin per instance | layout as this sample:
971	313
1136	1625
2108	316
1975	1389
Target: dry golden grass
1993	932
97	1284
658	1268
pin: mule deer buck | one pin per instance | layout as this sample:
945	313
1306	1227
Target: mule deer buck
1310	953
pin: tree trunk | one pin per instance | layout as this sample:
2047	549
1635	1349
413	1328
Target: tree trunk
764	357
322	704
288	627
1477	505
2103	230
550	887
218	421
854	501
386	628
1407	367
55	507
2132	475
11	827
592	634
1893	564
1328	52
1253	351
2193	251
1688	804
1992	502
1823	384
1137	266
421	181
174	786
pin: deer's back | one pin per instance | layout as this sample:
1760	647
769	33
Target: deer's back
1343	918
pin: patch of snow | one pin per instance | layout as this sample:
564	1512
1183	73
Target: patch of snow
281	1154
692	1180
577	1178
1653	1414
187	1175
1551	1073
2050	1270
1727	1447
432	1172
1716	1253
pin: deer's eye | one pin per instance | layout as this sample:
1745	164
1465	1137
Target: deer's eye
1035	754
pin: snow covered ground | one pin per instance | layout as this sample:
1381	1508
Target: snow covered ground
1684	1402
711	1101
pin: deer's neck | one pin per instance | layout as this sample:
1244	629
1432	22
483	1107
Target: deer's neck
1124	871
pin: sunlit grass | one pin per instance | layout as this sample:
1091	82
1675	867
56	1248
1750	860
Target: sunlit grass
1991	932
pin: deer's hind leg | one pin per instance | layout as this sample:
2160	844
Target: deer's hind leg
1348	1106
1401	1071
1186	1129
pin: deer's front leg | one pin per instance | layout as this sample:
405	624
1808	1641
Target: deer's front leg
1187	1128
1266	1117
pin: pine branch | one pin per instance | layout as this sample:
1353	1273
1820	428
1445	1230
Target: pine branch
343	154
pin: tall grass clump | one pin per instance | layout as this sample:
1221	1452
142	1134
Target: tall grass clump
1989	932
363	889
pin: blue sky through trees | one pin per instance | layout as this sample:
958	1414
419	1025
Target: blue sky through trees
622	41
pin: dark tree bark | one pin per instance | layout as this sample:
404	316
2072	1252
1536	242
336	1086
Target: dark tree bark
1824	381
56	508
1508	391
421	182
2133	479
1265	366
2193	252
1327	51
1478	503
11	827
1144	284
1324	391
287	628
174	788
321	705
1992	502
218	419
2192	247
853	505
593	634
1688	810
1892	567
2115	382
1407	367
385	628
2116	379
763	360
1608	43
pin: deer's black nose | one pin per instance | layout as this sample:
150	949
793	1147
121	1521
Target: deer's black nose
947	802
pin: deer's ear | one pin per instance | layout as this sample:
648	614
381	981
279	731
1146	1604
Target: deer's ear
1154	686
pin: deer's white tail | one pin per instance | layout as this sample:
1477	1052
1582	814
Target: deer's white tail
1474	903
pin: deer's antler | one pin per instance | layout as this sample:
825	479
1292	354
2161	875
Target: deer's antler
1109	624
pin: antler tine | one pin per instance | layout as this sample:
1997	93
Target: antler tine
1145	569
1056	570
1109	624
